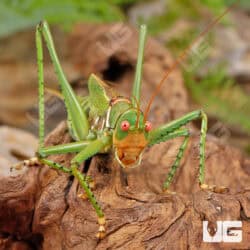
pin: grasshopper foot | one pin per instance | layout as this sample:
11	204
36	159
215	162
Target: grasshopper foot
101	231
31	162
214	188
167	191
26	163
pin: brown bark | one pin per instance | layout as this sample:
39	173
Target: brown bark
40	207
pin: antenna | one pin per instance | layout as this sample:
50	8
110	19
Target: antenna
183	55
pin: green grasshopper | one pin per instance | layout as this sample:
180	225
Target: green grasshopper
125	129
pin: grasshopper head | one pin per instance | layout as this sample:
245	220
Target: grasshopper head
130	138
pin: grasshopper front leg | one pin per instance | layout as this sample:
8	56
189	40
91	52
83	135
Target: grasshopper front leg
169	131
179	156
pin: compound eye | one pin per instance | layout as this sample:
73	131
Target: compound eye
125	126
148	126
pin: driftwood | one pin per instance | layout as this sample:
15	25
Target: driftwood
40	208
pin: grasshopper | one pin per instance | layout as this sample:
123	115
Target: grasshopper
125	130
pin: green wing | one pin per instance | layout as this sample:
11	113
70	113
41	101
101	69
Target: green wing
98	101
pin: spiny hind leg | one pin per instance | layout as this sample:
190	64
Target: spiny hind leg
76	116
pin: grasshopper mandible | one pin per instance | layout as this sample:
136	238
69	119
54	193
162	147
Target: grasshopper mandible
125	131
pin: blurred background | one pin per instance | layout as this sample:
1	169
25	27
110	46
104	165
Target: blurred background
217	75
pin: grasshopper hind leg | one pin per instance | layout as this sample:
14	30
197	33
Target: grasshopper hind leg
76	116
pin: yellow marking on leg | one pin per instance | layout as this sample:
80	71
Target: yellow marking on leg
101	231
